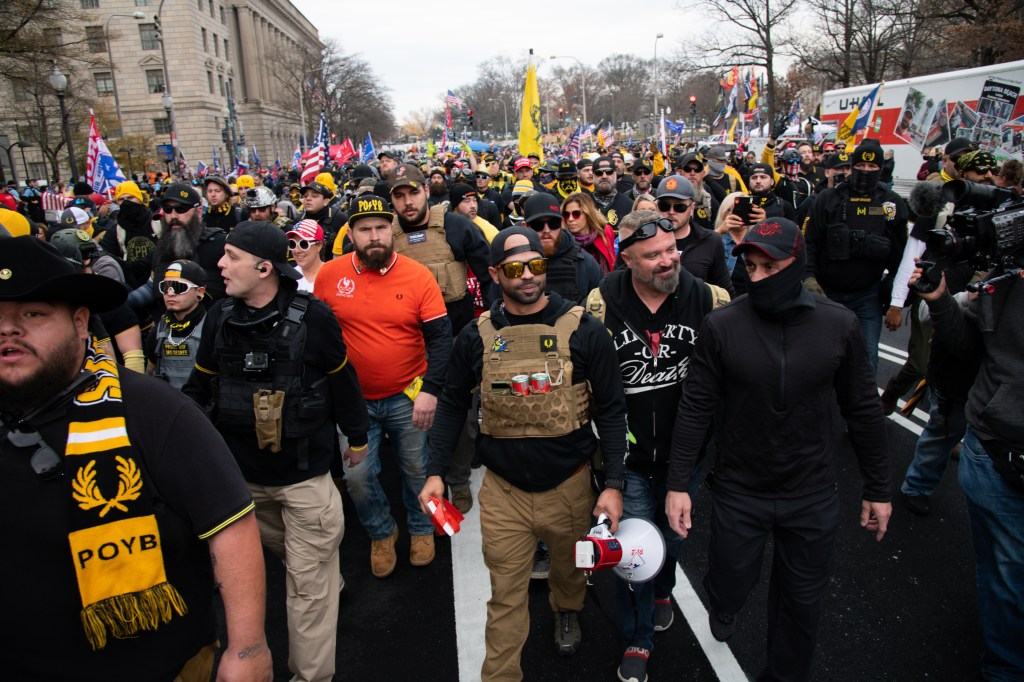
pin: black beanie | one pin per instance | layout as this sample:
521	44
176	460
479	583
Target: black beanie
868	151
458	192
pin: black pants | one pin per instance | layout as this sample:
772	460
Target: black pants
804	531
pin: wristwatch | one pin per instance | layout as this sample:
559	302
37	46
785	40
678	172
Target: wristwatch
615	484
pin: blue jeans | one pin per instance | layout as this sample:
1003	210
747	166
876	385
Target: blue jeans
867	306
996	513
945	428
392	416
644	498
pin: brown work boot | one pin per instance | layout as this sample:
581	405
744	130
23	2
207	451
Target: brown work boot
421	550
382	555
462	498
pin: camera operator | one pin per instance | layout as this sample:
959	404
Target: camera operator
992	461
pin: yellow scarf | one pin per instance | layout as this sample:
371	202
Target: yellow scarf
114	538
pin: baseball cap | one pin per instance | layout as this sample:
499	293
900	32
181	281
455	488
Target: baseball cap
828	145
500	253
368	206
265	241
777	238
642	163
307	229
676	187
389	154
318	187
761	169
958	145
32	270
218	180
603	163
566	168
718	153
187	270
837	160
245	180
541	205
183	194
73	217
692	157
406	175
522	162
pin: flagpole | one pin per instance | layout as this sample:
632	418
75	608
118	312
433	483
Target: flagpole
871	116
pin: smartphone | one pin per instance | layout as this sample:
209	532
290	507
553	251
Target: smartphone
742	207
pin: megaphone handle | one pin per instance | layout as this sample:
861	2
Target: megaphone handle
603	518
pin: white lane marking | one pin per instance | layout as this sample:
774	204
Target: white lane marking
895	359
918	412
906	423
472	587
894	351
719	655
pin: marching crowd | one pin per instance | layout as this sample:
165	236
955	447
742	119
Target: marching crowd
678	318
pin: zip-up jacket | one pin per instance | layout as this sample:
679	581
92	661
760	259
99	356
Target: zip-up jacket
535	464
654	352
771	386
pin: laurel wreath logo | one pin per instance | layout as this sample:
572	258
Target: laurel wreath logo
89	496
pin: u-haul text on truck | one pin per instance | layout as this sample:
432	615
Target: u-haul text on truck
984	105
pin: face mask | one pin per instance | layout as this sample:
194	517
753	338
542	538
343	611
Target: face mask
781	293
717	167
131	214
864	181
837	178
567	187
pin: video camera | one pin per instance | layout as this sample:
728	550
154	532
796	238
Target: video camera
988	232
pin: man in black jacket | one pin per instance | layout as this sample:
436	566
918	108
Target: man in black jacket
768	365
653	310
571	271
536	447
702	252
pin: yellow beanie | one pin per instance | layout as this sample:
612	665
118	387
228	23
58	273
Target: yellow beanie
327	180
15	223
245	181
129	188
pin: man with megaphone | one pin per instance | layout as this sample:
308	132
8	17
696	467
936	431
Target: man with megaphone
769	367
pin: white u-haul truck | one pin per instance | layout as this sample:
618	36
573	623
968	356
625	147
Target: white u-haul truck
984	105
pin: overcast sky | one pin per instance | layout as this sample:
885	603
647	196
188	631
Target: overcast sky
421	49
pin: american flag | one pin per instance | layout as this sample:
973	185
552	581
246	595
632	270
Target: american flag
201	168
453	100
574	144
316	157
447	116
587	133
101	170
297	158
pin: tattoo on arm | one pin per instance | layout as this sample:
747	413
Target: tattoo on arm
250	651
213	560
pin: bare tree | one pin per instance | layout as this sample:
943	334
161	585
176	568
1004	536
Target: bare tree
750	33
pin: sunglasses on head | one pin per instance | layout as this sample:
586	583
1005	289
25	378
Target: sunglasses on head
174	208
301	244
600	173
551	223
666	206
575	215
44	461
176	287
646	231
515	269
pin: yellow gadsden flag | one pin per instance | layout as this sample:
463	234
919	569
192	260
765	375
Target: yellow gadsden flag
529	121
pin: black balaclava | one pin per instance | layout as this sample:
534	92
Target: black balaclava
783	294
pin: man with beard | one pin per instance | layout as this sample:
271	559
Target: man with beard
183	506
623	181
446	242
273	371
978	166
316	202
809	167
399	338
536	448
437	187
693	167
772	365
612	203
571	272
856	233
653	310
220	212
387	163
463	200
761	180
185	237
487	199
702	251
643	178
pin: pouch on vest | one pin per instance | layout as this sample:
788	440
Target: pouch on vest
838	242
268	406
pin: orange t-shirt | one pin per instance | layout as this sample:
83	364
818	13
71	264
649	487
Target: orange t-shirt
381	316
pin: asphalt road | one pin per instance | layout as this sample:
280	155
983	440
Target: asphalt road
903	609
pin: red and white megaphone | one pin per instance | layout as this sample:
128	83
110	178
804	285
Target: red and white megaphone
635	553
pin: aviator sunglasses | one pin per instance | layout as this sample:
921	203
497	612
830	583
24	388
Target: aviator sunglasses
515	269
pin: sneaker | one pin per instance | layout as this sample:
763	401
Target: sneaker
568	635
382	555
917	504
722	625
663	614
541	563
634	665
421	549
462	498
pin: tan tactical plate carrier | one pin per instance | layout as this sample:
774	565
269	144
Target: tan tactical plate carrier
435	253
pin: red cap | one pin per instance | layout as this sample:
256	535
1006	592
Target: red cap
522	162
307	229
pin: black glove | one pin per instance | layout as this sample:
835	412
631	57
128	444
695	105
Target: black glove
779	128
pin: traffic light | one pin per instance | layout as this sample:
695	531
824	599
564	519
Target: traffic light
225	135
241	139
157	28
693	105
469	117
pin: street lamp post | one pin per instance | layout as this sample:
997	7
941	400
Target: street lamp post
22	145
137	16
7	146
59	82
168	103
167	77
505	108
583	79
656	39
